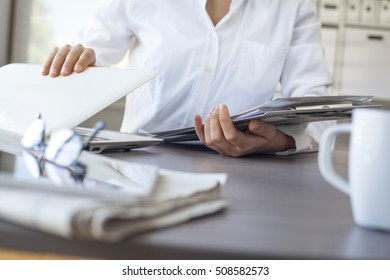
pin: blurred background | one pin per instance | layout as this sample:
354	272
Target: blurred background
355	34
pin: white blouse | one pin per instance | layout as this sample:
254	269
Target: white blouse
238	62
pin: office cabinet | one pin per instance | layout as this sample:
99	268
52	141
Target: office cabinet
330	11
366	62
355	35
354	9
384	13
369	11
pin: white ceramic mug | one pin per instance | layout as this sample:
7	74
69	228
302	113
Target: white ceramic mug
368	165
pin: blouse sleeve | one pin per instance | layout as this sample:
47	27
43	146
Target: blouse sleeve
305	73
108	31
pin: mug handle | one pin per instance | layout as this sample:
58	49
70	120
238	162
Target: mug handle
325	162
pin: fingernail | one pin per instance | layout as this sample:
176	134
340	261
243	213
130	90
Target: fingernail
223	108
77	68
53	71
65	71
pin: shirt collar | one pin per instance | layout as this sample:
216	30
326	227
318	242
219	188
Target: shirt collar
234	5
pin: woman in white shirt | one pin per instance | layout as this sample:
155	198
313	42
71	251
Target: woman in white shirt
208	53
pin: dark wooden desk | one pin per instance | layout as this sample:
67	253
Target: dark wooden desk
281	208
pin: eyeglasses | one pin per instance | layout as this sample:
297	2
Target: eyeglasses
56	156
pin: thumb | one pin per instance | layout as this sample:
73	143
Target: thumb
260	128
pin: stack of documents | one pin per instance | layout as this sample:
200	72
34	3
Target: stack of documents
119	199
284	111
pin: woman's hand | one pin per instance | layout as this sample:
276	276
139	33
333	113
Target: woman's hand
66	60
219	133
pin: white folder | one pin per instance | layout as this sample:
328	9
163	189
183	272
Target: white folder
284	111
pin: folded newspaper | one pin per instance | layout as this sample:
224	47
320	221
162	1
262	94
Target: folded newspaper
119	199
283	111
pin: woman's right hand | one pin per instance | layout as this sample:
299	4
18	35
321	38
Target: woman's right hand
66	60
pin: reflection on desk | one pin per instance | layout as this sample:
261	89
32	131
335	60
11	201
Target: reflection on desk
281	208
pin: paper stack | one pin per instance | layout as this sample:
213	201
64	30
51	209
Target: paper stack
119	199
283	111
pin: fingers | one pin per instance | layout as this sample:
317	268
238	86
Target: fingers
87	58
231	134
214	135
71	59
265	130
47	64
220	134
199	129
275	139
68	59
218	124
204	131
58	60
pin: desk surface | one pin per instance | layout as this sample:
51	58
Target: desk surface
281	208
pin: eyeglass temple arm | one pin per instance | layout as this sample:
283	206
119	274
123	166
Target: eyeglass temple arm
98	127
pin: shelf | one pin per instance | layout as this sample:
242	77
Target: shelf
329	24
380	26
357	24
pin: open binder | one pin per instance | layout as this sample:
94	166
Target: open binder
284	111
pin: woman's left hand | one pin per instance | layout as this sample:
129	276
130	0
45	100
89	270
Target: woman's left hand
219	133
